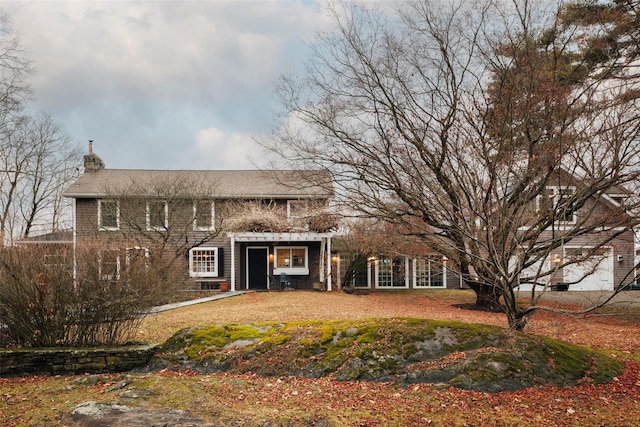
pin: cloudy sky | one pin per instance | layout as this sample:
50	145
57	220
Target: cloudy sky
165	84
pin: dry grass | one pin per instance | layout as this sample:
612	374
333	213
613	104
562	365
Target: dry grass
608	332
250	400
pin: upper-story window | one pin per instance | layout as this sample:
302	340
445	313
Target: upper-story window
108	214
297	209
558	200
298	213
157	215
203	215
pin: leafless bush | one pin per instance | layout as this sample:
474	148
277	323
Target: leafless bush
323	222
43	305
258	217
263	217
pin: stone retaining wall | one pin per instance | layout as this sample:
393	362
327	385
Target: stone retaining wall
55	361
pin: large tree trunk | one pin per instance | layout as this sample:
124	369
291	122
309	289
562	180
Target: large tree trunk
516	317
487	296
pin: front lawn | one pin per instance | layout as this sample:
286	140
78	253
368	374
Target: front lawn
248	399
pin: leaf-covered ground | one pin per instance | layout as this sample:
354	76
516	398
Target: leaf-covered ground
225	399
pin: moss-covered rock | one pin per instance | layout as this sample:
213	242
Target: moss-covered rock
470	356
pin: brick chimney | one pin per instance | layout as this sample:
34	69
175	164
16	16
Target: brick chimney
92	163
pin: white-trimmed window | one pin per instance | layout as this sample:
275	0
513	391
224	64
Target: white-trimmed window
109	267
391	272
557	199
203	215
291	260
297	209
429	272
157	215
298	213
137	256
203	262
361	277
108	215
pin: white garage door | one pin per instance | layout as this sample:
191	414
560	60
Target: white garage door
530	274
594	274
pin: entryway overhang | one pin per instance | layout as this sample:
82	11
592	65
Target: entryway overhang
255	237
279	237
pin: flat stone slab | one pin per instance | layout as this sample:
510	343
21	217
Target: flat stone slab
93	414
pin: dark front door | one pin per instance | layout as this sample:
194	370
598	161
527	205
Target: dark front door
257	268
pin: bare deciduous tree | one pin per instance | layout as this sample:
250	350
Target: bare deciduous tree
15	67
36	157
51	167
455	121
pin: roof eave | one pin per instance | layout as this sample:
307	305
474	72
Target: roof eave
215	196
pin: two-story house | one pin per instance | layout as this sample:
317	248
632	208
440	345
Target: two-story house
600	253
251	229
272	230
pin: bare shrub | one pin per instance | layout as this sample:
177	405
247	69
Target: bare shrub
44	305
258	217
323	222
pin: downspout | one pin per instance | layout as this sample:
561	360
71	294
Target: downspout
233	263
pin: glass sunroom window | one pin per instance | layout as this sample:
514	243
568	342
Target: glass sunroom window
429	272
390	272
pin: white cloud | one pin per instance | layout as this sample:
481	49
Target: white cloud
169	50
143	77
217	149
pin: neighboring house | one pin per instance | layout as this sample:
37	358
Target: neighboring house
252	229
62	238
598	266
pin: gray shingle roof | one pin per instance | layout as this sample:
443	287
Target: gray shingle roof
62	236
202	183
